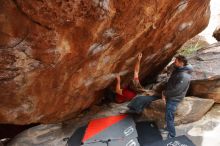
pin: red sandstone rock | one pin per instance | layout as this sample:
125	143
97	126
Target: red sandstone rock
56	56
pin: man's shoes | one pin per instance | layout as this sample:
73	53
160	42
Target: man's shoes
164	133
169	136
162	130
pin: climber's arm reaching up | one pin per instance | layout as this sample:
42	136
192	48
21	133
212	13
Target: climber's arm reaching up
118	85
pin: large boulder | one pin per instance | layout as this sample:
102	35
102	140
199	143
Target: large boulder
206	76
216	33
56	56
206	89
189	110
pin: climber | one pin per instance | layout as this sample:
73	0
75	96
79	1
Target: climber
126	94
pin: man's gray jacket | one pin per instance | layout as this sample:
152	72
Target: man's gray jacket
178	83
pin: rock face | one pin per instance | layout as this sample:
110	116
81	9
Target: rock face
216	33
56	56
189	110
206	89
206	76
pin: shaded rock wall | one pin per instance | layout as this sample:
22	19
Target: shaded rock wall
56	56
206	75
206	89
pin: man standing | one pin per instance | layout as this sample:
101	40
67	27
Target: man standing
176	90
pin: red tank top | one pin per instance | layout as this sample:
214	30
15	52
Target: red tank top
127	95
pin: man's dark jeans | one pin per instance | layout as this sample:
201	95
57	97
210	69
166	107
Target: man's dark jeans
140	102
171	106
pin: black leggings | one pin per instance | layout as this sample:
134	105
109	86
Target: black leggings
140	102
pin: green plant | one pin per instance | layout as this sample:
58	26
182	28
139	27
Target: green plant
190	48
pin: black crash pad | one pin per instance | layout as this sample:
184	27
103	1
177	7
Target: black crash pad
176	141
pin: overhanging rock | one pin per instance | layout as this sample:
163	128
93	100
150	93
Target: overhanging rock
56	56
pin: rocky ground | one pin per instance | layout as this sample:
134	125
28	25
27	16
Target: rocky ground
200	132
204	132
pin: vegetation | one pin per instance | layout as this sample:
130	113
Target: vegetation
191	46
